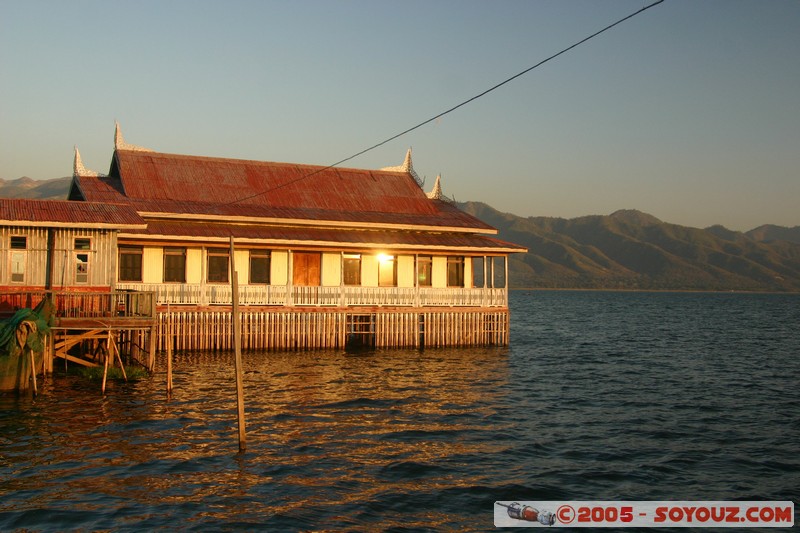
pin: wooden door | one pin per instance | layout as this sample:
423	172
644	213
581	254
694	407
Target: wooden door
307	269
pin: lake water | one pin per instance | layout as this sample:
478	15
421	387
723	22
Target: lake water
601	396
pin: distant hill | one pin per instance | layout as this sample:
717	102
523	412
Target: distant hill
633	250
769	233
53	189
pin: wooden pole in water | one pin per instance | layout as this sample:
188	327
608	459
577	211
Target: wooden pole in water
169	352
237	341
119	358
105	366
33	370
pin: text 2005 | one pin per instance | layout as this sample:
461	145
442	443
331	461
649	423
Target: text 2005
605	514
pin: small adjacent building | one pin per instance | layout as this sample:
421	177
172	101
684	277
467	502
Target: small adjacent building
52	245
58	268
324	256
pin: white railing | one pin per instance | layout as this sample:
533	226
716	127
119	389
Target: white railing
314	296
198	294
397	296
458	297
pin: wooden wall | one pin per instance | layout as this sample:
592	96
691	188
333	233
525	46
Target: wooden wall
290	330
102	256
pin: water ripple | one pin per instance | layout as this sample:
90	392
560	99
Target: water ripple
601	396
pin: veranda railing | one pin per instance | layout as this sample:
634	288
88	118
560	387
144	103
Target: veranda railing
345	296
120	303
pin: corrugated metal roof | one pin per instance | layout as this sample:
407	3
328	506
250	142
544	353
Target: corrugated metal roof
165	183
65	213
299	235
159	176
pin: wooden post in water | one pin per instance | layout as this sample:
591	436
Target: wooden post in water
49	353
114	346
33	369
105	363
151	354
151	350
237	342
169	352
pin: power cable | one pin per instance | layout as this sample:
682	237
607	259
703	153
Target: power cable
443	113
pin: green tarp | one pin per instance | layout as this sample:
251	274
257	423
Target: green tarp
41	317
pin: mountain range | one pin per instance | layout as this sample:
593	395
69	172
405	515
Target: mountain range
627	249
25	187
632	250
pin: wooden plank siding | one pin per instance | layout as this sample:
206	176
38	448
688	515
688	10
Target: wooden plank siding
102	256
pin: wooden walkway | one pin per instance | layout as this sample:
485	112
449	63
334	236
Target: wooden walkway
90	327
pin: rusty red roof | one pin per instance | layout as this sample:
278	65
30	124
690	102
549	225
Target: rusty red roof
294	235
154	182
206	199
159	176
64	213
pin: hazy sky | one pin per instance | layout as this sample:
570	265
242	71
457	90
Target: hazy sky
689	111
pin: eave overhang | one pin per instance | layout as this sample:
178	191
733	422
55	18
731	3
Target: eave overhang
332	223
164	231
76	225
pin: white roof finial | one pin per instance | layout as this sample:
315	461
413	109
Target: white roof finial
120	144
436	193
407	166
78	169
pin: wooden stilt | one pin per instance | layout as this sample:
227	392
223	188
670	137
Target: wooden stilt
114	347
33	371
169	355
151	363
47	355
105	372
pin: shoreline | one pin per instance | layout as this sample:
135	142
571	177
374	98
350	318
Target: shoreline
697	291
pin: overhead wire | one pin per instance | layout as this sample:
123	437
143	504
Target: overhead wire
450	110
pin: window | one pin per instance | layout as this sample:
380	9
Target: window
479	277
82	247
455	271
130	263
81	269
424	270
260	266
387	271
499	272
218	265
175	265
18	258
351	269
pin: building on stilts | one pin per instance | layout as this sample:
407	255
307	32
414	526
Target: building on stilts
327	257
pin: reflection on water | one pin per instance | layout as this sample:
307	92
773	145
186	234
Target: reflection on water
601	396
332	438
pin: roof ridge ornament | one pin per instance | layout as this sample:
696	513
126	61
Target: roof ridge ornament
120	144
79	170
436	192
407	166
